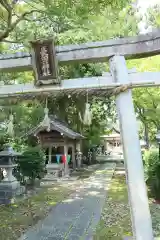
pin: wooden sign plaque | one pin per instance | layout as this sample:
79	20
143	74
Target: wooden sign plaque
44	62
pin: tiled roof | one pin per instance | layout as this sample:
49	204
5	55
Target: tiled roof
59	126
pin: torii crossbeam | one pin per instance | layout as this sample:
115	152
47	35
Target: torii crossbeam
102	85
132	47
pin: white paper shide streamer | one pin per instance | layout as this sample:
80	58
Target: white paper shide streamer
46	121
87	119
10	126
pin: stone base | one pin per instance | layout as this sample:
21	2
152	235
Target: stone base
8	191
53	176
128	238
55	172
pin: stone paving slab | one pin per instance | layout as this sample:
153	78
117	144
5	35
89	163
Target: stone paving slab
100	203
77	216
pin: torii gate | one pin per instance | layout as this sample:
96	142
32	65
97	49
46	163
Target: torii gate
120	81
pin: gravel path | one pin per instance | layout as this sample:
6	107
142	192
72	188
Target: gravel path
76	217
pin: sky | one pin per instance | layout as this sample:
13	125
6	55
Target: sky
147	3
144	4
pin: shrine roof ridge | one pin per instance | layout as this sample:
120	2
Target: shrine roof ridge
59	126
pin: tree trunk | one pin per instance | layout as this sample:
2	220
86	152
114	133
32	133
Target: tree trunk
146	135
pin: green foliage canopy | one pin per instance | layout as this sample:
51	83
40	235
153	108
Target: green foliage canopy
69	23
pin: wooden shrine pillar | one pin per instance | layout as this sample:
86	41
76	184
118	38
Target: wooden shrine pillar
106	145
50	155
73	156
140	213
66	169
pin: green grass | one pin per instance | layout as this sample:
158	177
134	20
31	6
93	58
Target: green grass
16	218
155	213
115	220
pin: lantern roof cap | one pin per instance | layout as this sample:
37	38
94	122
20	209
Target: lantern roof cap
9	152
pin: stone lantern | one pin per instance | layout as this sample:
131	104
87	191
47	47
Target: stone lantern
78	154
9	186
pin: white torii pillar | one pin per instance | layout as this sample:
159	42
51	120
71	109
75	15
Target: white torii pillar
140	213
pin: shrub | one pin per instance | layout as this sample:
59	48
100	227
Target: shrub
152	170
31	164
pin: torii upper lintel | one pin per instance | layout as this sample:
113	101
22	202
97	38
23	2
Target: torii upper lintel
130	47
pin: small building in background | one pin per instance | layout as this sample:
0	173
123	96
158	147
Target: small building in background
112	141
62	146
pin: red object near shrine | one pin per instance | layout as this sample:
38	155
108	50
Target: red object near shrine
64	159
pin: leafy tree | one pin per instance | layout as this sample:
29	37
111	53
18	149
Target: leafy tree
147	107
153	16
146	100
60	14
31	164
70	23
152	169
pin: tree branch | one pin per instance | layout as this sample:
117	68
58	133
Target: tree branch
8	8
9	18
152	99
155	123
5	5
12	26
